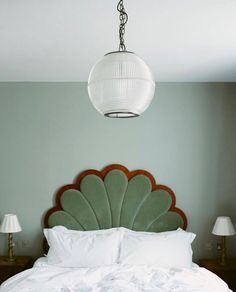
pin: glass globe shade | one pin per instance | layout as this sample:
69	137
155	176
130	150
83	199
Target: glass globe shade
121	85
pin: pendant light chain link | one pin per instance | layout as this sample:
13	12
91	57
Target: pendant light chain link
123	21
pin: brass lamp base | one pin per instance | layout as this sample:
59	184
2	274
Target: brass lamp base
10	248
10	260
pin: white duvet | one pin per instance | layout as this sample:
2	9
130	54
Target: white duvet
47	278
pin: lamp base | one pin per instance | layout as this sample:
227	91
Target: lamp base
222	260
222	263
10	257
10	260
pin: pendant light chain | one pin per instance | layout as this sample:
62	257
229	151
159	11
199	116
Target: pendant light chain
123	21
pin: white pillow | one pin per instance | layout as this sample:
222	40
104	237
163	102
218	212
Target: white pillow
69	248
165	249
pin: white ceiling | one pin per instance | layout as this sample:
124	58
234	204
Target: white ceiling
60	40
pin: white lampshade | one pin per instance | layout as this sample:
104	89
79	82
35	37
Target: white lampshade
223	226
121	85
10	224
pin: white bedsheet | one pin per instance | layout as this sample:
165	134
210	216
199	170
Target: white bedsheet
47	278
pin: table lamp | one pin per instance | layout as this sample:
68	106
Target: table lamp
223	227
10	225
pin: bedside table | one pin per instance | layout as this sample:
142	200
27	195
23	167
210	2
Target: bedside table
226	272
9	269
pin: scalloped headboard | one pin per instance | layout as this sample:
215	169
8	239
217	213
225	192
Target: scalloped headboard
116	197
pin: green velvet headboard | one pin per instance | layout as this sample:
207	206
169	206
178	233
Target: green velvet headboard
116	197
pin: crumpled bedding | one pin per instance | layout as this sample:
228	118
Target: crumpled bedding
116	278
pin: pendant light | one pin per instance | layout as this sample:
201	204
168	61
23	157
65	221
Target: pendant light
121	85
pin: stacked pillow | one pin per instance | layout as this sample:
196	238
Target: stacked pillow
70	248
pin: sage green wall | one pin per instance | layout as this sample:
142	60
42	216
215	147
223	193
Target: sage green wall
50	132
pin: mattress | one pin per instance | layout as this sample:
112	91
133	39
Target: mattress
48	278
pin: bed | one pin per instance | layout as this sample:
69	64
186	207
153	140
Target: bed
115	230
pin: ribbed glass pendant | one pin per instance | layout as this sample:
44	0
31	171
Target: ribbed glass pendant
121	85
